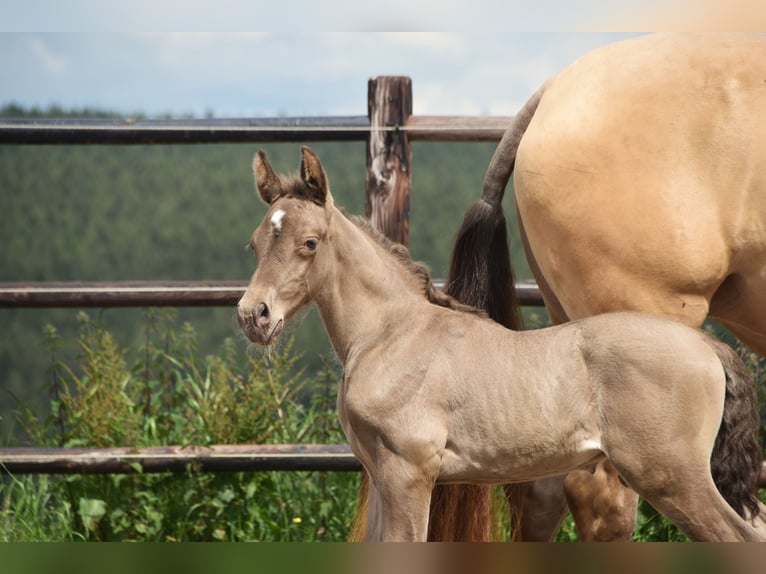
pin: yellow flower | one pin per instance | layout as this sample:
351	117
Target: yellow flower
297	520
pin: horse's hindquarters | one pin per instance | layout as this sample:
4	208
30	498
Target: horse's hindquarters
646	195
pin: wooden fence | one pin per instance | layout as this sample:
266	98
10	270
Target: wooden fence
388	128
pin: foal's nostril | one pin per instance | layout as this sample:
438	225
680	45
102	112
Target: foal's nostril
263	316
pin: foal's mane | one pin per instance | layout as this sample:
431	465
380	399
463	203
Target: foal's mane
417	270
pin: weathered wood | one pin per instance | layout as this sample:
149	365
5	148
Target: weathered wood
51	131
160	294
389	105
122	294
177	459
456	128
127	131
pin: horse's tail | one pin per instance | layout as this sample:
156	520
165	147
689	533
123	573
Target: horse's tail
480	275
737	459
480	272
504	159
359	523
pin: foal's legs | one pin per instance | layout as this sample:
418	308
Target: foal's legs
603	508
698	509
399	501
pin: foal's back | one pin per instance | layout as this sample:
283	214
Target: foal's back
535	403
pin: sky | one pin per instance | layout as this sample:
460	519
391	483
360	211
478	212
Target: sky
182	57
195	57
281	73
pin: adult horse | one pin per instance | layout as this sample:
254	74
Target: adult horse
434	392
640	184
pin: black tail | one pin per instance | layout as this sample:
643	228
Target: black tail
480	272
736	460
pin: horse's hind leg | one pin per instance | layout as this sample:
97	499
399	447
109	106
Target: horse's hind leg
537	509
603	507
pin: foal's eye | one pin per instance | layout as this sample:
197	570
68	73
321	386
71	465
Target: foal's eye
311	244
251	247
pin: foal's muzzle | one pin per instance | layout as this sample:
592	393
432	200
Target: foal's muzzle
258	325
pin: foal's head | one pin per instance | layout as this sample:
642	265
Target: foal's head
287	245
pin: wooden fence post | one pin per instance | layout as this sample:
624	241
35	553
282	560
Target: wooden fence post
389	104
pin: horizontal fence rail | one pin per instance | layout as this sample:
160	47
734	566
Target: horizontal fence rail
178	459
159	294
180	131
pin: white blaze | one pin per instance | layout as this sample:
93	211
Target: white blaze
276	219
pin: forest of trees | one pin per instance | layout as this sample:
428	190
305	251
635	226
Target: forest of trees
89	213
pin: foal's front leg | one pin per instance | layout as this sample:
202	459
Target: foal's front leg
399	500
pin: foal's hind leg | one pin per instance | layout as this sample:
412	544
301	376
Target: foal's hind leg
699	510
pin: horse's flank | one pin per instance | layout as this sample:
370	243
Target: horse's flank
655	186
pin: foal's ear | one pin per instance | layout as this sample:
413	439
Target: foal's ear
313	176
268	183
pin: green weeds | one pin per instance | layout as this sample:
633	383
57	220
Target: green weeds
165	396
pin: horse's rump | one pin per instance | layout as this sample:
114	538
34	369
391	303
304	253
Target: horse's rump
643	169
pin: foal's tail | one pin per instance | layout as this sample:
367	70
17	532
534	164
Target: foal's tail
736	460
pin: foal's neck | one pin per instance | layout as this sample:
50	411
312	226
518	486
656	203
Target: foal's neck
368	290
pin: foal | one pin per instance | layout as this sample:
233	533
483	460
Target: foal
432	392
